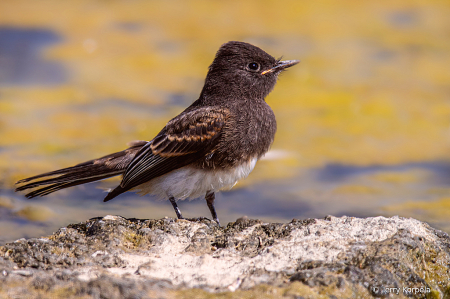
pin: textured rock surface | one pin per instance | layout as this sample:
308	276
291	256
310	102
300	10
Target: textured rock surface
113	257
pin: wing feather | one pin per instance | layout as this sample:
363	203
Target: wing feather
185	139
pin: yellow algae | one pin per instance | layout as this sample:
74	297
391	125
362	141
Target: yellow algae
411	176
439	191
272	170
6	202
6	107
356	189
439	208
436	212
36	213
371	87
34	97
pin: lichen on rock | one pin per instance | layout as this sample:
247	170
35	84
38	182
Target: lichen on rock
114	257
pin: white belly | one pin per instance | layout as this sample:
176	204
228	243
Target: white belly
190	182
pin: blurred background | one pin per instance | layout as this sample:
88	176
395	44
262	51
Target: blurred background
363	120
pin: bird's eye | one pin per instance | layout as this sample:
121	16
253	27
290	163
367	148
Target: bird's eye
253	66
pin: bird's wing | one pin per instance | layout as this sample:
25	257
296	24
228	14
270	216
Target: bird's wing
185	139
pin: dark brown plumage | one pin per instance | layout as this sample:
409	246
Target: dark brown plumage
90	171
209	146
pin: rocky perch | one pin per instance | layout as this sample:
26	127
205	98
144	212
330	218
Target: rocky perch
346	257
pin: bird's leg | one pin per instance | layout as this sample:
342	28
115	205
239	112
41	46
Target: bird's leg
210	196
175	207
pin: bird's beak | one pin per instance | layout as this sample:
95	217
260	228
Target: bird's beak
281	65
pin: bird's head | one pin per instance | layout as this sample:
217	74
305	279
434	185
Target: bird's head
243	70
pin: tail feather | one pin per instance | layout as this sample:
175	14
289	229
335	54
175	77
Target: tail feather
58	186
90	171
70	176
118	190
56	172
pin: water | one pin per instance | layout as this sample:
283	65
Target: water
363	120
21	62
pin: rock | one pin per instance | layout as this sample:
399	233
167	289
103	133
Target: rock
346	257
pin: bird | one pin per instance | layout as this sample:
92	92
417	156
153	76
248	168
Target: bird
210	146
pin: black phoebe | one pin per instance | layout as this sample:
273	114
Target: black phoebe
208	147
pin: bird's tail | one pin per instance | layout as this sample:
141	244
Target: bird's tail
90	171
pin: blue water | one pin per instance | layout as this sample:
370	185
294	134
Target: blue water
21	62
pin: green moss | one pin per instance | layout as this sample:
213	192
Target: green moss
133	238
